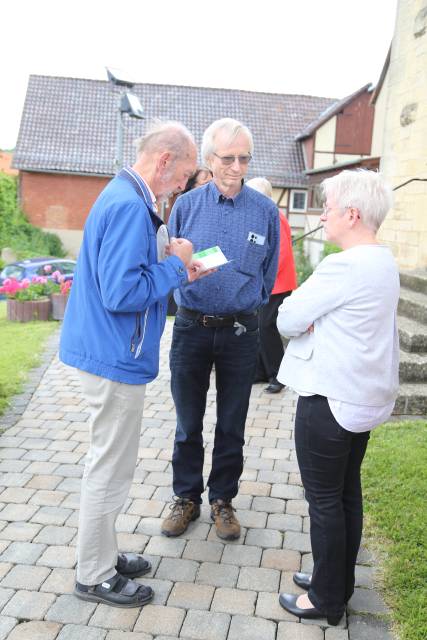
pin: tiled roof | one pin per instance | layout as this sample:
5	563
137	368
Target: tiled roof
330	111
69	124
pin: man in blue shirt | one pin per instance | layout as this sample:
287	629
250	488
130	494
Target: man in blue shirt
217	324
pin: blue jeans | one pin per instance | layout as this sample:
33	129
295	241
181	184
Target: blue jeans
195	349
329	458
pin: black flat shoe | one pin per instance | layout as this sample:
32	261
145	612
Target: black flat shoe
289	602
302	580
274	387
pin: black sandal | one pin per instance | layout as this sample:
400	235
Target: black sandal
131	565
118	591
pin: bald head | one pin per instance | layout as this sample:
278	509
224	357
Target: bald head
167	136
166	157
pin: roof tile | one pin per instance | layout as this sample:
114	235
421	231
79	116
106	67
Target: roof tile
69	124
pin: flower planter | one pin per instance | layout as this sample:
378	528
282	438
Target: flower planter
59	302
28	310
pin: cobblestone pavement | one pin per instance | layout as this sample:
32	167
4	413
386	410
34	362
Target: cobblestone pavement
205	589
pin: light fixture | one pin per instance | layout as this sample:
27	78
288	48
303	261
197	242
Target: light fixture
128	103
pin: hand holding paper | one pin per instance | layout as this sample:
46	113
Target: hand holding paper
210	258
196	270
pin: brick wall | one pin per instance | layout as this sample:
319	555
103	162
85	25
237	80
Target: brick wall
58	201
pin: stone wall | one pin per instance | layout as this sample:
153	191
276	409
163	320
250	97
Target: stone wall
404	152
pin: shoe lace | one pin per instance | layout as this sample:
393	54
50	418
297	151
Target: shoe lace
225	511
177	507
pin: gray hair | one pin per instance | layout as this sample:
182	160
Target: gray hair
365	190
230	127
262	185
166	135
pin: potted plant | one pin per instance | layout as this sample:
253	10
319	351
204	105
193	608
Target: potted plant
27	299
59	297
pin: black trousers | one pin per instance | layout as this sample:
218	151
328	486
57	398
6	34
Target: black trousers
271	351
330	458
194	351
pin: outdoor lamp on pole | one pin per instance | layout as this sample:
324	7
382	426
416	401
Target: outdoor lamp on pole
128	103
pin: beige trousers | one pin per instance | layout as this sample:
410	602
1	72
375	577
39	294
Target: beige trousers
115	427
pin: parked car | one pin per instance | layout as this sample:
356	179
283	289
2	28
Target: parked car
38	267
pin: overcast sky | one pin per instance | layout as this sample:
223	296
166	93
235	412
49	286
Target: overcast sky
315	47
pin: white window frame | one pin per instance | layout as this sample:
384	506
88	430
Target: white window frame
292	209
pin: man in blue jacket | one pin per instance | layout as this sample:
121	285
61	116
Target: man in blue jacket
111	333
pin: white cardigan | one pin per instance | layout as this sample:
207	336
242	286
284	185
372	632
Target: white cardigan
353	353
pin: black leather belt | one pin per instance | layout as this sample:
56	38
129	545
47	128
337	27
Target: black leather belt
215	321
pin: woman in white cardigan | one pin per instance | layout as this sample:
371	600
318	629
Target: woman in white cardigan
342	360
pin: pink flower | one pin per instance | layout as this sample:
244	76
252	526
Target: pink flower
61	278
10	286
38	280
26	289
47	268
56	275
66	286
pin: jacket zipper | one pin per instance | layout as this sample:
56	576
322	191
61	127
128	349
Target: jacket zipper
138	339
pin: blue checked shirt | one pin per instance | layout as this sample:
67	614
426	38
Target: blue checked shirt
207	218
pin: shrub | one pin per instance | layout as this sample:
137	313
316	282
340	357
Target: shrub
329	248
302	263
17	233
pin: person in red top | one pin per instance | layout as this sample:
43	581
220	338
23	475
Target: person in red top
271	347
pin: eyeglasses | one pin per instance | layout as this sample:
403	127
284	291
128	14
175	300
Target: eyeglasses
229	160
327	210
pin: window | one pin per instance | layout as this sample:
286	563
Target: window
41	272
63	267
13	271
298	201
66	267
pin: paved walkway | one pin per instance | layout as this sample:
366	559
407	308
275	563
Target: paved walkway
205	589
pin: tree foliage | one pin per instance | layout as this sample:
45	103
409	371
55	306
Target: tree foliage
302	263
17	233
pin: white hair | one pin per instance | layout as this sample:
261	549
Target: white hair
364	190
166	135
262	185
231	127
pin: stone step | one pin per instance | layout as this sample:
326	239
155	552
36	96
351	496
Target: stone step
412	400
415	280
412	367
412	334
413	304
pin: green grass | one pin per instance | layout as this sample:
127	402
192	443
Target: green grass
394	477
21	346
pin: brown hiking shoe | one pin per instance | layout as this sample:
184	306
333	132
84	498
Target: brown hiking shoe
226	523
183	511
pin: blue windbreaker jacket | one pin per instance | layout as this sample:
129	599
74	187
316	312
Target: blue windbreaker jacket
116	312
